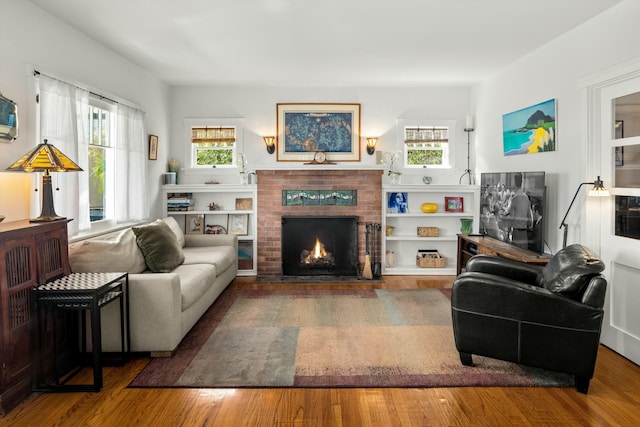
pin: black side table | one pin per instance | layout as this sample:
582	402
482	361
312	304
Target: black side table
81	292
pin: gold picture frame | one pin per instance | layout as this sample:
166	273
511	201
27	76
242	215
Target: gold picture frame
153	147
238	224
306	129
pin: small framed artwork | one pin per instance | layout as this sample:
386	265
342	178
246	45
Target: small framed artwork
153	147
244	204
619	129
238	224
194	224
398	203
454	204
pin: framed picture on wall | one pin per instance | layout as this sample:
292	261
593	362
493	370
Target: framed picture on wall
454	204
153	147
330	129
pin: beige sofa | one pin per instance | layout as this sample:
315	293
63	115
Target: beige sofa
164	305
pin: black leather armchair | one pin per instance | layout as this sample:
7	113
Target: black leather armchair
548	317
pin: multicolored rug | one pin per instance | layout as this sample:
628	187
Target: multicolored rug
331	338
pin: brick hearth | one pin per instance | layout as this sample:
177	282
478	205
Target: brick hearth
368	183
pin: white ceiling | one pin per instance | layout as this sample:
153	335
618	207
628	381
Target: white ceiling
324	42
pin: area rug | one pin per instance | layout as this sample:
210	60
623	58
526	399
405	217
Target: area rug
331	338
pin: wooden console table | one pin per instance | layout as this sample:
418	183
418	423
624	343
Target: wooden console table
473	244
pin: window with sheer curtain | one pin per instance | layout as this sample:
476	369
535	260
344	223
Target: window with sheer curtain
107	140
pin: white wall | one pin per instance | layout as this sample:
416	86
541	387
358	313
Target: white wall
380	108
33	38
554	71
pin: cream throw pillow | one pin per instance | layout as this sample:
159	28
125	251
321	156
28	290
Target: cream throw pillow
118	252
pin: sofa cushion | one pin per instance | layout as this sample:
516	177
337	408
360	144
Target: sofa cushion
570	269
220	256
195	279
175	227
113	252
159	245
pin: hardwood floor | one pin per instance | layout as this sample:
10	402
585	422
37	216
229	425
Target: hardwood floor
613	399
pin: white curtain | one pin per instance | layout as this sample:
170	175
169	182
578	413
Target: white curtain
64	110
131	165
64	122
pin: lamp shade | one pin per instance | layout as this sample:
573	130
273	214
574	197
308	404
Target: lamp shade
44	158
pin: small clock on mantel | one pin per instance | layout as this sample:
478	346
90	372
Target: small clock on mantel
320	158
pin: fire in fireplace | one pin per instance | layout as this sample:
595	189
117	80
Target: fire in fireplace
319	245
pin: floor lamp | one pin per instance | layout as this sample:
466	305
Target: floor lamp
45	158
468	129
598	190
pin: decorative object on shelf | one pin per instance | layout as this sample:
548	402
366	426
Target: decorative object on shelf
427	179
242	163
428	231
194	224
304	129
530	130
466	225
468	129
429	258
598	190
454	204
174	166
169	178
211	182
389	230
213	206
238	224
153	147
392	159
390	259
214	229
244	204
371	145
270	142
429	207
398	203
45	158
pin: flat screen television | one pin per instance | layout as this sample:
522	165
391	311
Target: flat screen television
512	207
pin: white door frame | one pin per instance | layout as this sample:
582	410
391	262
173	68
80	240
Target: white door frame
622	265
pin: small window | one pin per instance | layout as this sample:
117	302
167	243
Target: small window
427	146
213	147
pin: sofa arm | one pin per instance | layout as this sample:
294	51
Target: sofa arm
155	313
508	268
195	240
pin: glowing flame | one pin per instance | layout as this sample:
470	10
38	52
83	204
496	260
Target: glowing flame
318	250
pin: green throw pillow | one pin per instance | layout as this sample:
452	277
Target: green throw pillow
159	245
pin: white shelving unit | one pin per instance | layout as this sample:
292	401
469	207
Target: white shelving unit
223	195
405	242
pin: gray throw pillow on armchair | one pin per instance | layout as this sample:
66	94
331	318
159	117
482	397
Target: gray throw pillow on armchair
159	245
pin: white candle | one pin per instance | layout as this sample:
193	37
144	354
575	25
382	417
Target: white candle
469	124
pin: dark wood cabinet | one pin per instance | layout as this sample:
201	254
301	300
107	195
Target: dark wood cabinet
473	244
30	254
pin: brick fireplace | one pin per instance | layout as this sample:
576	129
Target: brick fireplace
368	184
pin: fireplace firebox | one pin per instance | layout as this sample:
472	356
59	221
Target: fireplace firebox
319	245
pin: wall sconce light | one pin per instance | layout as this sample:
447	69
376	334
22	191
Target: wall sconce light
598	190
45	158
371	145
270	142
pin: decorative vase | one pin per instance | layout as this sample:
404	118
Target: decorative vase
389	230
394	178
390	259
429	207
466	225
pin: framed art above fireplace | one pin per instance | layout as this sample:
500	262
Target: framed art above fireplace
305	129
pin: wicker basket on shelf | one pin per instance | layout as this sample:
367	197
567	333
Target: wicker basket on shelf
428	231
433	260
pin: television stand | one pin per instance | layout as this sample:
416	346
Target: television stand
473	244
